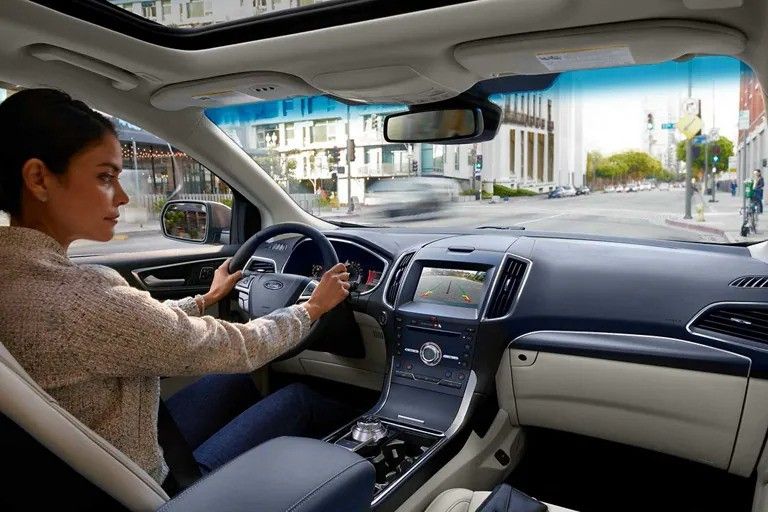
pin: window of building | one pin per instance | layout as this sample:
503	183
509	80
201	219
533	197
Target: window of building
149	11
512	148
551	157
165	7
289	133
287	107
529	156
195	9
266	136
456	157
324	131
540	157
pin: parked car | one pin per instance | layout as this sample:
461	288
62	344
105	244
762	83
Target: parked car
569	191
555	193
609	189
582	191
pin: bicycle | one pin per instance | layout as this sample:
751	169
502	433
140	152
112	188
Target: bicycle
750	214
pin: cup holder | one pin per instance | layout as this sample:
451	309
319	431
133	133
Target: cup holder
393	455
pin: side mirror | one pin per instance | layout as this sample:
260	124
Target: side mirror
203	222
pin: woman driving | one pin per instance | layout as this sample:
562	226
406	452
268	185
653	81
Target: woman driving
100	346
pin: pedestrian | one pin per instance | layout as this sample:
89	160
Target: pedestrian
757	193
733	188
99	346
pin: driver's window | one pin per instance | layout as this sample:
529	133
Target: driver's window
153	172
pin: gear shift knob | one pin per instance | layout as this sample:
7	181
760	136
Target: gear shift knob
368	428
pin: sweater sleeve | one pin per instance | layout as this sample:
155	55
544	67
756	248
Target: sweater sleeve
124	332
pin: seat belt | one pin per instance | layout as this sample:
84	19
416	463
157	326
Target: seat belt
176	451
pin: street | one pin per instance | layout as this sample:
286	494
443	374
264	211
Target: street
641	214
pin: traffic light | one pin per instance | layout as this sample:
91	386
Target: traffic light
479	163
351	150
375	121
414	167
650	121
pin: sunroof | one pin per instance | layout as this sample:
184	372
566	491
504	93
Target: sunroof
201	24
192	14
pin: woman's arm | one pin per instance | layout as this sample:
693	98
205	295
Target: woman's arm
128	333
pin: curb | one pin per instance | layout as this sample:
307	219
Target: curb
696	227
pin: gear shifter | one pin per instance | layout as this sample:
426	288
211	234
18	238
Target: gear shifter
368	428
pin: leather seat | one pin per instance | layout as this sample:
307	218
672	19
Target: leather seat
464	500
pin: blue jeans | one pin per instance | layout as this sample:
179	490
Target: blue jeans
223	416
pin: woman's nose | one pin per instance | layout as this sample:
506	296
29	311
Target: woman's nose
121	197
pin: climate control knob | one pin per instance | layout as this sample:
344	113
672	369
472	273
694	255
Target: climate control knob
430	354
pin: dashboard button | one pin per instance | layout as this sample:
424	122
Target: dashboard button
426	378
450	384
448	374
383	318
461	376
404	375
430	354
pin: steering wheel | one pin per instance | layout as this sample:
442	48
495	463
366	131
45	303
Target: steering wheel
268	292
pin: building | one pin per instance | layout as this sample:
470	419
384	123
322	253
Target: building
197	13
752	148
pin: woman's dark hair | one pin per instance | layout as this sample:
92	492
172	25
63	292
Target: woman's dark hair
46	124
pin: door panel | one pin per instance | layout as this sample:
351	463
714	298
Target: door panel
167	274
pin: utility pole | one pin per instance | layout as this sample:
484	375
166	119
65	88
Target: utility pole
350	205
688	154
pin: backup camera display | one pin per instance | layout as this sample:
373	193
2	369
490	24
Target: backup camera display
455	287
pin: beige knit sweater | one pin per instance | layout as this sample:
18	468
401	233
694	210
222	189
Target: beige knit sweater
99	346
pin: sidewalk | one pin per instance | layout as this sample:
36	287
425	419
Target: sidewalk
721	218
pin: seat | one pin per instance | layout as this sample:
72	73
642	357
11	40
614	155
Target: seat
27	405
464	500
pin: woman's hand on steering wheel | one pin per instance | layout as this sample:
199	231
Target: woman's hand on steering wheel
332	289
222	284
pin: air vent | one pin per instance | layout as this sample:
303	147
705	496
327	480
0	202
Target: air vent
750	282
508	284
261	266
397	278
747	322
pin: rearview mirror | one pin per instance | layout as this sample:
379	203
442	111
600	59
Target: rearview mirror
196	221
433	125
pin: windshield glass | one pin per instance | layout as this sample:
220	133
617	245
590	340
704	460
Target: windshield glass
602	152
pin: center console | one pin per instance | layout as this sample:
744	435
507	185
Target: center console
437	297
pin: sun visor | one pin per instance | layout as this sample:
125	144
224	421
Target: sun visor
231	90
620	44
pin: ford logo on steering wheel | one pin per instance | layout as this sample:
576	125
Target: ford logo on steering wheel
273	285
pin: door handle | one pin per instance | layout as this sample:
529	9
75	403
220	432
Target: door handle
151	280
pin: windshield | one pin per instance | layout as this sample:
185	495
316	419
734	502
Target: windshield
603	152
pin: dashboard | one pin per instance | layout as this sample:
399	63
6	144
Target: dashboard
615	338
365	267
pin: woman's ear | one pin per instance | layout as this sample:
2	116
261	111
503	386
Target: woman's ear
33	174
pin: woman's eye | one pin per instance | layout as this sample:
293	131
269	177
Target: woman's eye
107	178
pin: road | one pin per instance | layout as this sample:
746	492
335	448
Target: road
638	214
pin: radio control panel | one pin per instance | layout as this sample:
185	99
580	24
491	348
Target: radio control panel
433	351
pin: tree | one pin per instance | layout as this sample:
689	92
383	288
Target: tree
725	152
630	166
594	158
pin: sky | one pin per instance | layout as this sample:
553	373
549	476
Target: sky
616	101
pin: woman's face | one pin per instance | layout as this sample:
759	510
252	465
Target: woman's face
84	201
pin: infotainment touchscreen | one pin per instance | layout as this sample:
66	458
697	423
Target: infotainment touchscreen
455	287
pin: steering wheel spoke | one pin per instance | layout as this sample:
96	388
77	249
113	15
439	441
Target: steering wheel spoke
307	292
261	293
